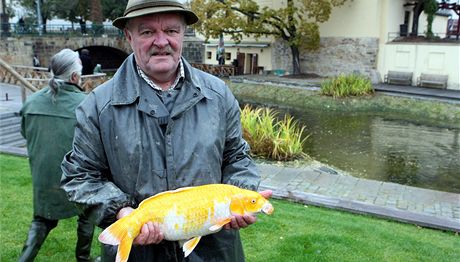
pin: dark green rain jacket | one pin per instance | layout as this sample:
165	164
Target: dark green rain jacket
48	126
128	147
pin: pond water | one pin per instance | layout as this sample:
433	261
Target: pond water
379	148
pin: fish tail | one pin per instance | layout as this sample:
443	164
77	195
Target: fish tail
121	233
124	249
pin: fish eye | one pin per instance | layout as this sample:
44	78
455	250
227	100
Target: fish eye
253	201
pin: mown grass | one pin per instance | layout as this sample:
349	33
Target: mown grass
299	233
294	232
16	210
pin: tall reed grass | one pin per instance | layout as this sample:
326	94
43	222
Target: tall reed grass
347	85
270	138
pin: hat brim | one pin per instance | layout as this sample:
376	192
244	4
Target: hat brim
190	17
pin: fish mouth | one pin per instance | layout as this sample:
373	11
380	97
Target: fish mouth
267	208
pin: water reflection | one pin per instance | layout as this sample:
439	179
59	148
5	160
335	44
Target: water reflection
384	149
400	168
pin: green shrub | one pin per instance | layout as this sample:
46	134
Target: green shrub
269	138
347	85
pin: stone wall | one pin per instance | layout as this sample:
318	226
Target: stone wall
16	52
281	56
193	50
336	55
19	51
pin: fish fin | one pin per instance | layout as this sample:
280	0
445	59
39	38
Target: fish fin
165	193
190	245
112	235
220	224
120	233
124	249
182	242
237	204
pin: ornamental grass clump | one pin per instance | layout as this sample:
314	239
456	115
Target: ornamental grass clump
272	139
347	85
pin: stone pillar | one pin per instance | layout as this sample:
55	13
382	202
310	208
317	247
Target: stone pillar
193	50
4	25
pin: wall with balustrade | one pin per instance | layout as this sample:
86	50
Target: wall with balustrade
427	58
20	50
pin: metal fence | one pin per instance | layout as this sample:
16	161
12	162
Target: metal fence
69	30
16	29
439	36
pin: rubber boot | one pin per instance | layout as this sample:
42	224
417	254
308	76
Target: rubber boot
38	232
85	231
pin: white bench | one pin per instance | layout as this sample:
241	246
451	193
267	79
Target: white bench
432	80
398	78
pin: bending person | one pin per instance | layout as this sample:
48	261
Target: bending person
48	124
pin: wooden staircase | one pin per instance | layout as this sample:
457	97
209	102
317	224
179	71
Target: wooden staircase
10	130
11	140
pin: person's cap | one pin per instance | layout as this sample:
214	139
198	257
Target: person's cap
136	8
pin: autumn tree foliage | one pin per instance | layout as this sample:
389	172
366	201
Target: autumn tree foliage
429	7
296	23
72	10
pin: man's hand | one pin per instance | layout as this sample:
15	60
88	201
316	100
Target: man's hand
239	222
150	232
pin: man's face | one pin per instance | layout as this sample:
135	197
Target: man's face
157	43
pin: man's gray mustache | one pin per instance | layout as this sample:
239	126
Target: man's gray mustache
168	50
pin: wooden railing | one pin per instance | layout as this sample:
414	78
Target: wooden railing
217	70
89	82
35	78
10	76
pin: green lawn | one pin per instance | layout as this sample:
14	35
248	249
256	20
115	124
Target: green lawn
293	233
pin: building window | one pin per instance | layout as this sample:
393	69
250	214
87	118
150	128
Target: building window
406	17
250	18
209	55
228	56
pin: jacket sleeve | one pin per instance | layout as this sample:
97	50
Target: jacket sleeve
238	168
86	173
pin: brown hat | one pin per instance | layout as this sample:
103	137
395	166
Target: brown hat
136	8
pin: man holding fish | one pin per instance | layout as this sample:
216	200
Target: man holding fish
161	125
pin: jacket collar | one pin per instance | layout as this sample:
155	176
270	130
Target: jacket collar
127	82
71	87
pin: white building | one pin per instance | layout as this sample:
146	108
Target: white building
358	38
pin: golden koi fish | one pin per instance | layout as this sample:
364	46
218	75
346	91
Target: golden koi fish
185	214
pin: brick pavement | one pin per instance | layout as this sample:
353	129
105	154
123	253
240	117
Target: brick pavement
14	102
311	185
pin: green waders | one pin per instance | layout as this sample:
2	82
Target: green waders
39	230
